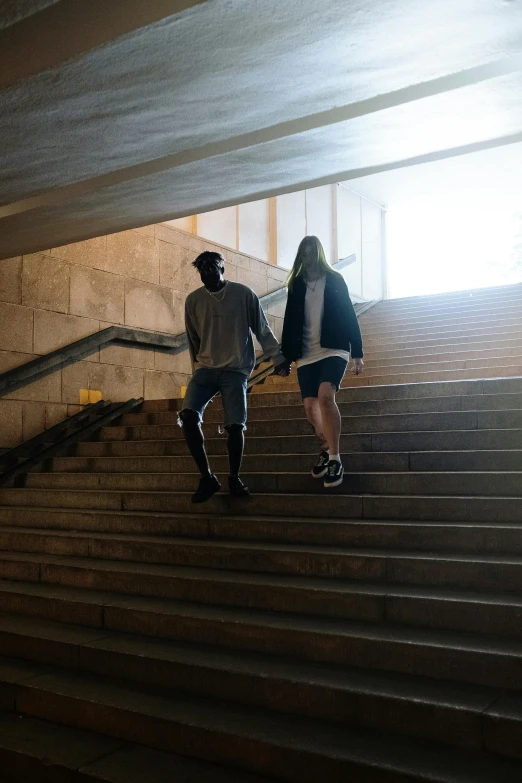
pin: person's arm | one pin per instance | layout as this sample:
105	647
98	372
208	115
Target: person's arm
356	348
194	342
263	332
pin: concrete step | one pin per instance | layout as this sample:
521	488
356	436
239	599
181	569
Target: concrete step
466	317
448	655
470	402
444	348
453	362
64	531
395	422
403	378
465	460
488	310
369	584
421	389
491	291
465	325
265	397
448	342
453	299
413	365
291	749
416	706
472	358
450	440
251	463
354	462
338	506
490	483
37	750
356	543
389	340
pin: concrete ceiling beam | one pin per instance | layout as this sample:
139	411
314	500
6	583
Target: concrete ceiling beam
367	171
318	121
122	113
73	27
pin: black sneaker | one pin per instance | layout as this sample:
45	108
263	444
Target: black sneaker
319	470
208	486
334	474
237	488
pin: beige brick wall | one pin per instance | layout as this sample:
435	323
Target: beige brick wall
136	278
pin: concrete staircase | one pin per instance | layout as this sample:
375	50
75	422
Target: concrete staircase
370	634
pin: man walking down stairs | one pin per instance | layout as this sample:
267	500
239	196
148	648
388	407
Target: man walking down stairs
368	633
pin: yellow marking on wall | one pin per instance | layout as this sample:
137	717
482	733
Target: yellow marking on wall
88	396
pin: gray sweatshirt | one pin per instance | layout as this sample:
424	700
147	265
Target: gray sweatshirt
220	330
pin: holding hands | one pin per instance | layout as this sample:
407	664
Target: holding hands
283	369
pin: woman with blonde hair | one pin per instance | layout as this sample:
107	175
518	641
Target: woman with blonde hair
320	332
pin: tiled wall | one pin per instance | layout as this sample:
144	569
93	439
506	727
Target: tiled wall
135	278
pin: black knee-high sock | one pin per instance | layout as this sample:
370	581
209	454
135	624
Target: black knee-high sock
196	443
236	444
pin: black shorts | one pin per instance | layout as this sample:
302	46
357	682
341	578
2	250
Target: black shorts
311	376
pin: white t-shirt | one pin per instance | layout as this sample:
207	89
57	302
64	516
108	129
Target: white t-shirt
313	318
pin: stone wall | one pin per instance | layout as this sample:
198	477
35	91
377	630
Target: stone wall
135	278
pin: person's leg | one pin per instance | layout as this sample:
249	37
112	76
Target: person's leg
201	389
191	423
330	416
308	377
314	417
236	445
332	371
233	386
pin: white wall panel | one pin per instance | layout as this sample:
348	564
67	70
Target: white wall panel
250	229
372	250
219	226
291	226
349	236
254	229
319	215
185	224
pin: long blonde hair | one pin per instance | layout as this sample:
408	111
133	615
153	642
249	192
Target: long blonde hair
310	254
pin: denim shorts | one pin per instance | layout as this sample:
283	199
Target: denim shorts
207	382
311	376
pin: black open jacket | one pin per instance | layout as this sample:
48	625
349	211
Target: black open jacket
339	329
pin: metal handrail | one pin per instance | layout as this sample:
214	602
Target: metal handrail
12	457
17	462
68	354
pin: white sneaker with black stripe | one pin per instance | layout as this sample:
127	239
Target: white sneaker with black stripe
319	470
334	474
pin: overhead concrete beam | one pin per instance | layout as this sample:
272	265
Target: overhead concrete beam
343	176
69	28
19	243
283	130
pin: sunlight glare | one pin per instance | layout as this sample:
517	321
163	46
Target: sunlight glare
439	245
